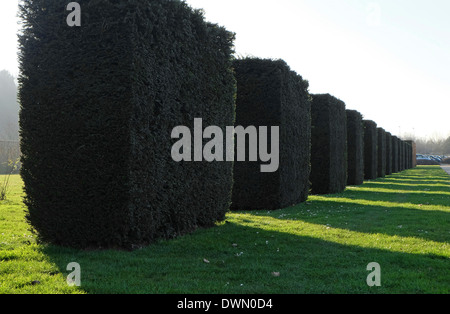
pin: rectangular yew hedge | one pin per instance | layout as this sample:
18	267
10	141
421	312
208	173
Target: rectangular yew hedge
355	148
401	155
370	150
395	155
413	152
328	145
271	94
388	153
381	152
408	155
98	105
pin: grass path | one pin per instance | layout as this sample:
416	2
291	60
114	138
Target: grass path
324	245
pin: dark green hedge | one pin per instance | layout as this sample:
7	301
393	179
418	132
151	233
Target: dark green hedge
395	154
370	150
408	156
270	94
413	152
328	145
402	155
405	155
355	148
381	152
98	105
389	156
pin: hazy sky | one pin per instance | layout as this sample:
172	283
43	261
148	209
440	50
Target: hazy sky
388	59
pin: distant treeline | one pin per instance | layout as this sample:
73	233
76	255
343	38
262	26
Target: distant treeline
432	146
9	107
9	122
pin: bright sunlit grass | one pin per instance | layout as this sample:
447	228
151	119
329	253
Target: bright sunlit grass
321	246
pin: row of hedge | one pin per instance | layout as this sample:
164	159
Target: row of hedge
99	103
345	149
385	154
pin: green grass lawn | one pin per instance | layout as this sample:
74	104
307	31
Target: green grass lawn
402	222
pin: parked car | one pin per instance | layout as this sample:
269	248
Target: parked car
422	157
435	158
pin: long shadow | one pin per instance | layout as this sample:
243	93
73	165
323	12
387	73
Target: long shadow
236	258
438	177
356	215
425	198
413	181
411	187
303	265
437	173
421	174
410	210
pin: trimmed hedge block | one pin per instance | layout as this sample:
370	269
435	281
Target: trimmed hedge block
414	154
406	157
355	148
99	103
395	154
408	154
370	150
270	94
381	152
402	155
389	157
328	145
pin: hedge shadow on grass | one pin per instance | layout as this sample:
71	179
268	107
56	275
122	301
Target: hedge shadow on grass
413	186
390	220
420	198
305	264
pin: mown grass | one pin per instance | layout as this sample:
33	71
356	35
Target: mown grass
321	246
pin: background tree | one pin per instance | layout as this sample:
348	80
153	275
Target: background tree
432	145
9	122
9	108
446	146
